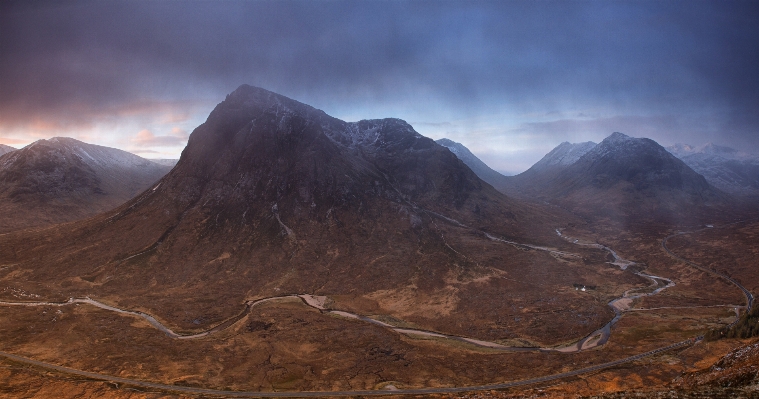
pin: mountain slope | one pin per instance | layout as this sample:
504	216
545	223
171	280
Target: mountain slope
563	155
4	149
165	162
272	196
724	167
531	183
482	170
62	179
627	180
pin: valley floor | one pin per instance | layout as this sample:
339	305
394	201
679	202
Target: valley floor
287	346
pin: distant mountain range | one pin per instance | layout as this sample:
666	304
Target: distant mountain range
4	149
626	179
63	179
482	170
726	168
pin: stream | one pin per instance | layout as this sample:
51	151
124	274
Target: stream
594	339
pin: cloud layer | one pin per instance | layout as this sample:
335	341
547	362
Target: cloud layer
682	71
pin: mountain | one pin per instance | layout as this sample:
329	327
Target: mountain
482	170
531	183
272	197
624	179
165	162
62	179
726	168
4	149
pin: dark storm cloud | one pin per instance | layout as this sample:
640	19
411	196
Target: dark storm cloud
79	61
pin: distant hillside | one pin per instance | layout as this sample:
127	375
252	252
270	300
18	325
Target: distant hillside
62	179
625	179
165	162
726	168
482	170
533	182
4	149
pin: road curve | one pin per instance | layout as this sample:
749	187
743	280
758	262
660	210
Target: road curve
258	394
749	296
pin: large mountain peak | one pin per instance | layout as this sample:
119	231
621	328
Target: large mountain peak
251	99
268	148
640	161
622	146
617	137
273	196
625	178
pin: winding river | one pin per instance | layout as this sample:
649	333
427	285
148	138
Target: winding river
597	338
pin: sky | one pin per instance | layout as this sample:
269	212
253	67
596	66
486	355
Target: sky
508	79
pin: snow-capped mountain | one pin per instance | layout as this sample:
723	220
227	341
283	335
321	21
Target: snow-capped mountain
482	170
4	149
622	178
726	168
63	179
563	155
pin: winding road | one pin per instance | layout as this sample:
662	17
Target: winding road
593	340
258	394
597	338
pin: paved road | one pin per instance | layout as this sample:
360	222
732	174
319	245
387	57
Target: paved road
749	296
246	394
251	394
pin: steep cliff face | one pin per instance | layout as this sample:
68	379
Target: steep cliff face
4	149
